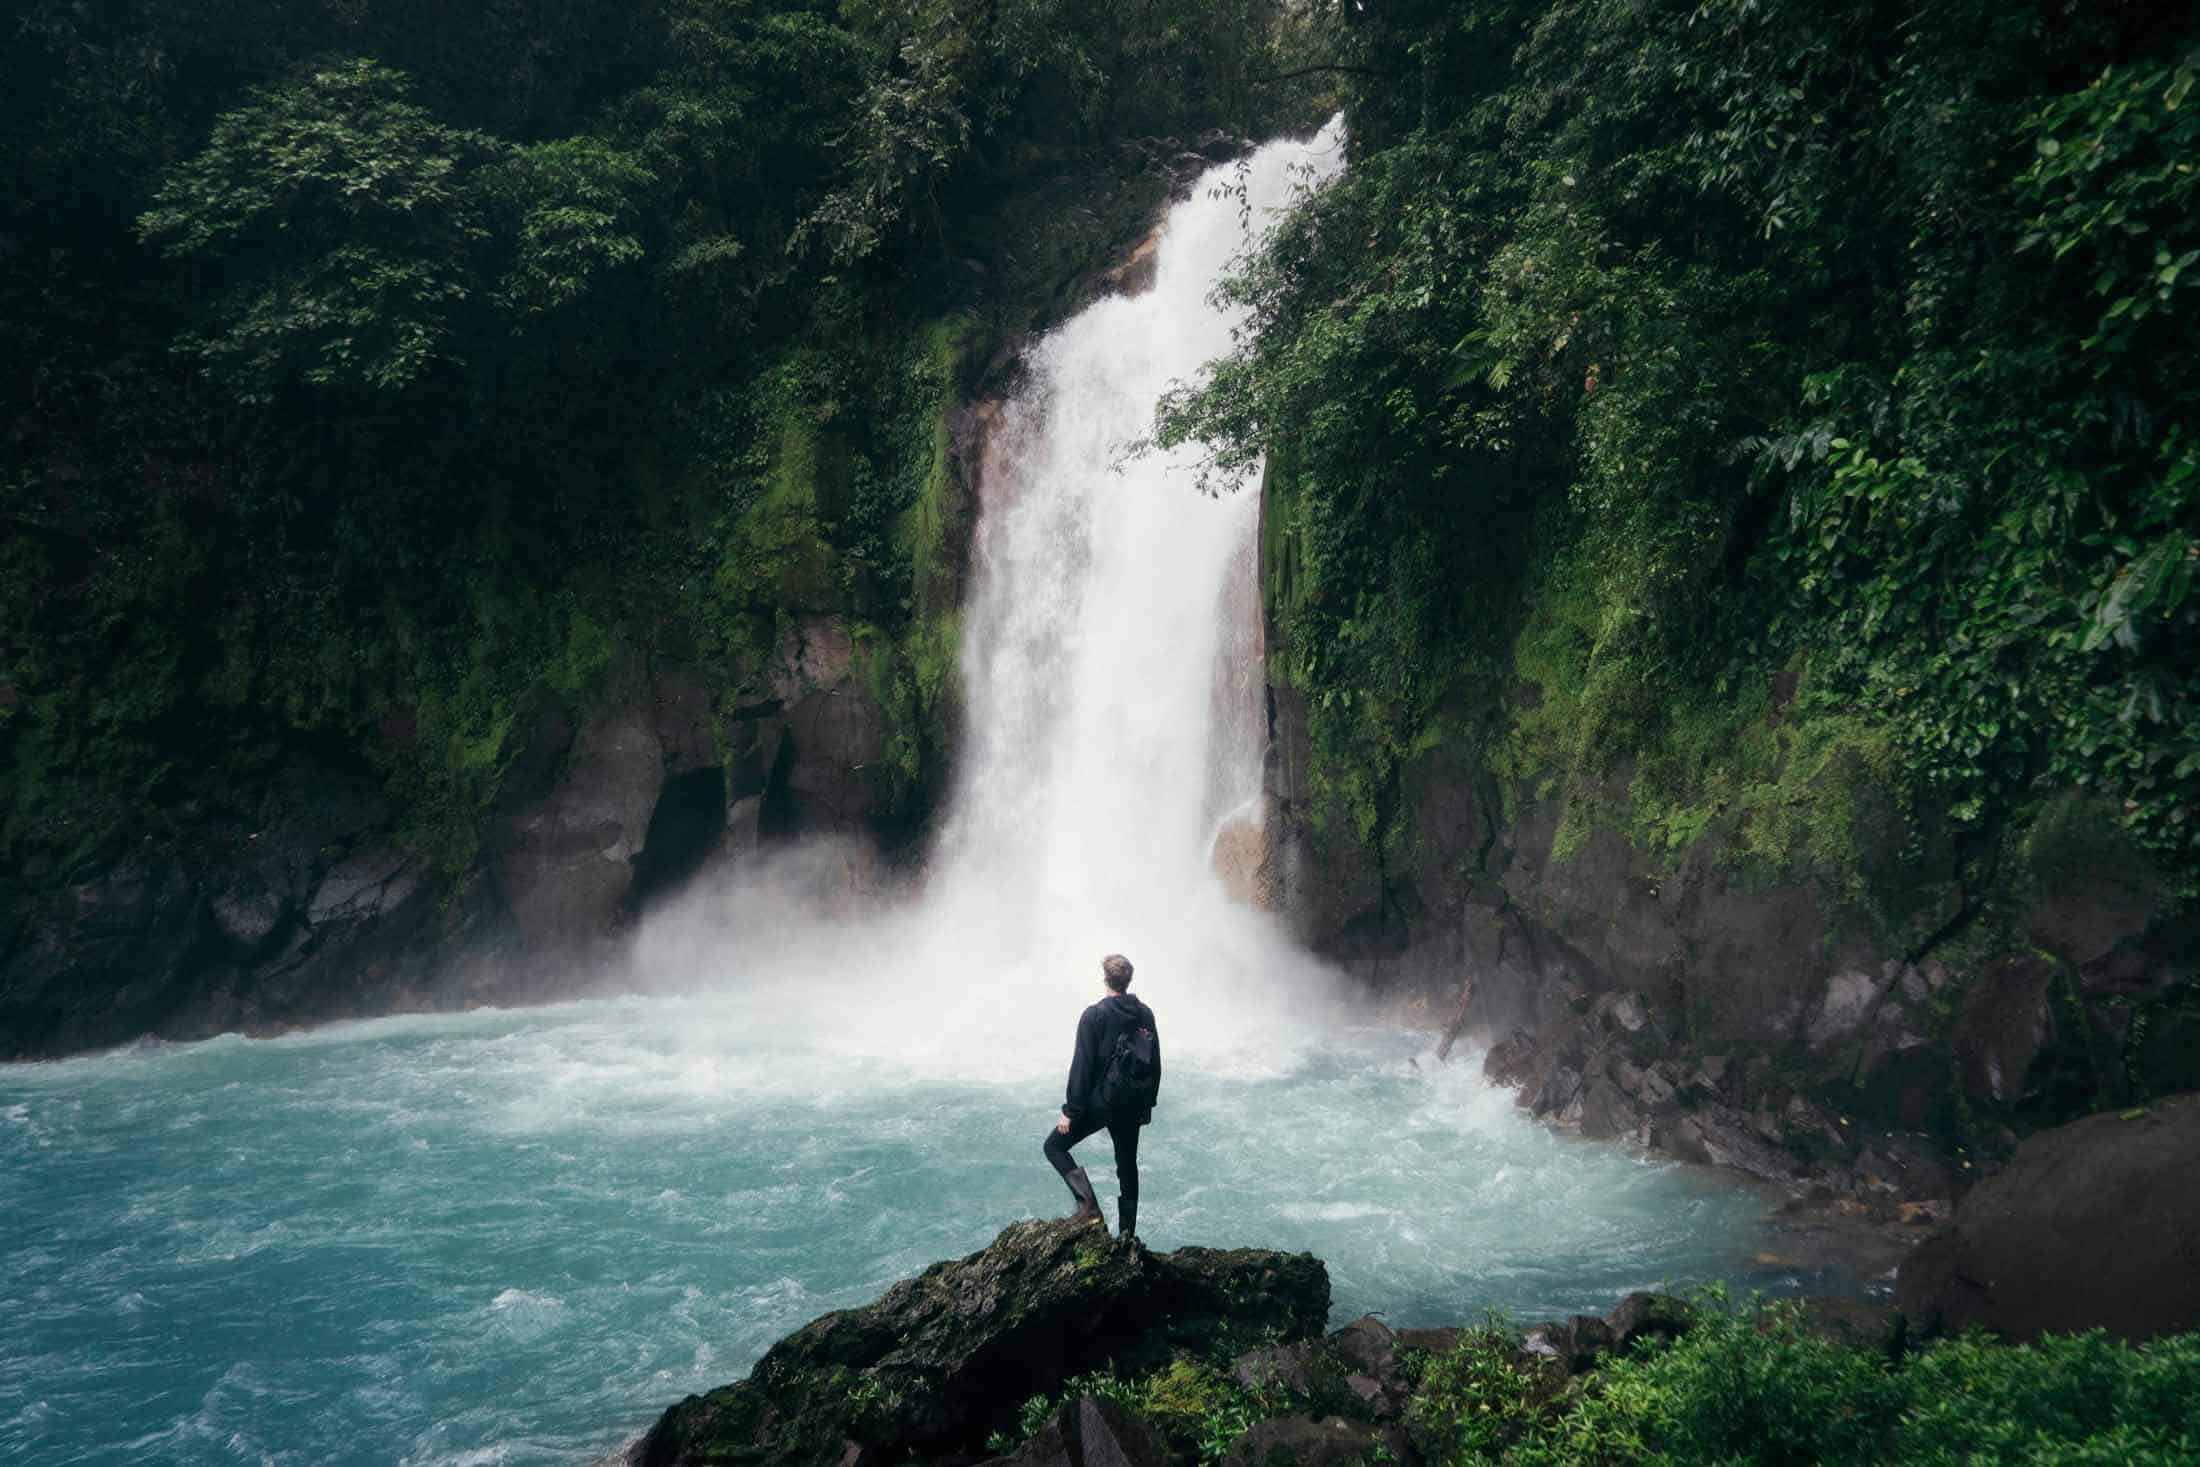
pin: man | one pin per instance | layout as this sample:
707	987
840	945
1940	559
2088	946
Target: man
1114	1076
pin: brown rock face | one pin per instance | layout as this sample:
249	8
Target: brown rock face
2090	1225
1135	276
2008	1021
567	859
835	731
1244	859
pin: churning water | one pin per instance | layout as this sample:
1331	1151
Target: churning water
514	1237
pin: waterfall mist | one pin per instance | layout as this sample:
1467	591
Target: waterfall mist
1114	725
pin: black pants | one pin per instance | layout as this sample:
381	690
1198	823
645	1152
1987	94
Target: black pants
1123	1133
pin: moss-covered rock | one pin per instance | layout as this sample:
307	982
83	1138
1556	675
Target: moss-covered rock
942	1360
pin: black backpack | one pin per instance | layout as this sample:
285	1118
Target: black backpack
1133	1079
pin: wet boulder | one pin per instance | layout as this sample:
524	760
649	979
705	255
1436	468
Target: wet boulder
1289	1368
1572	1344
2090	1225
941	1361
1720	1135
1848	1004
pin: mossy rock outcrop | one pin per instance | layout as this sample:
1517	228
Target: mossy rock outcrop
942	1360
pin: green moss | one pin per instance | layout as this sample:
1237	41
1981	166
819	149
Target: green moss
1185	1389
929	533
1824	803
583	660
473	709
912	680
1283	581
1604	721
2076	842
777	554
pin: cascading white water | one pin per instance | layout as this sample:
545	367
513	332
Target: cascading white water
1112	718
1100	755
1108	736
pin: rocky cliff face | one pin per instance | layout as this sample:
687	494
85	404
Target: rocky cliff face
329	914
605	802
1853	1028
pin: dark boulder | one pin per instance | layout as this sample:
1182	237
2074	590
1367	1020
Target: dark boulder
1288	1368
1374	1376
1720	1135
1641	1318
942	1360
1853	1322
1089	1432
1572	1344
1305	1441
2090	1224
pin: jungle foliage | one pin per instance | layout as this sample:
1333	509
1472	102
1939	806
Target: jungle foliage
1750	1382
1756	1384
1682	393
378	371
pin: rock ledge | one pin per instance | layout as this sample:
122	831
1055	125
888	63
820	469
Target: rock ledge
942	1360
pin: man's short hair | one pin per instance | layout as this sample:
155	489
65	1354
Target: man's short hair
1116	969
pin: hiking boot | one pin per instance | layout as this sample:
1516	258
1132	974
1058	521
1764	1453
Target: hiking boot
1088	1205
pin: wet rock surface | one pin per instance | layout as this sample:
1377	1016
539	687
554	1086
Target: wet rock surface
321	917
1870	1044
941	1361
1088	1432
333	911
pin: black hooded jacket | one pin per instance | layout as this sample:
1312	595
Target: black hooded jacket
1096	1032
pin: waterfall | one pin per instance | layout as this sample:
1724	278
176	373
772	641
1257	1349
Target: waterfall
1114	724
1114	716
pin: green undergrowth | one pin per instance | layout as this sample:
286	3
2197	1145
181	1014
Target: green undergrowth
1745	1383
844	499
1755	1384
